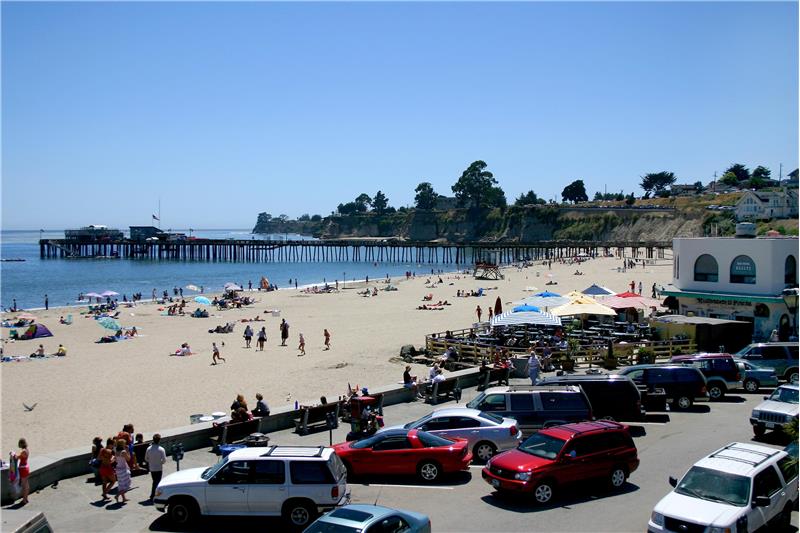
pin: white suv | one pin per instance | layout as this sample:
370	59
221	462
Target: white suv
739	488
778	409
296	482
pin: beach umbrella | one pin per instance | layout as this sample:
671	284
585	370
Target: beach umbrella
232	287
525	317
627	302
109	323
110	293
498	306
26	316
583	305
202	300
93	295
597	290
547	294
544	301
193	288
525	307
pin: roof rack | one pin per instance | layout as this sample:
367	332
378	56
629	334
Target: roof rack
547	387
294	451
733	447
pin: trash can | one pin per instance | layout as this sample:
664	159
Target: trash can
256	440
194	419
226	449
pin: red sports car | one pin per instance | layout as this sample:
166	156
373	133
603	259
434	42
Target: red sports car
405	451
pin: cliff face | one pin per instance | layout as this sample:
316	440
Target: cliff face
515	224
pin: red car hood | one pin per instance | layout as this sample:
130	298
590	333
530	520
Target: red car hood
518	461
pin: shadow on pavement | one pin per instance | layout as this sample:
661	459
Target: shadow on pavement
447	480
637	431
565	497
223	524
704	408
730	399
777	437
658	418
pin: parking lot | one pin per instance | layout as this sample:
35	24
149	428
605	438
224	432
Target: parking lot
668	444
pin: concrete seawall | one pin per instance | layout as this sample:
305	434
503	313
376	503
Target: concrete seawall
49	468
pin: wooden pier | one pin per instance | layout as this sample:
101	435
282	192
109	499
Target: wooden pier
263	251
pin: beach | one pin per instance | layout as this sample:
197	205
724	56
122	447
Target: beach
97	388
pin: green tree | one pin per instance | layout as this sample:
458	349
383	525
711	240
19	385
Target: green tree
762	173
363	201
756	182
740	171
575	192
529	198
698	186
657	181
426	196
730	179
630	199
476	187
380	203
316	218
304	217
351	208
263	218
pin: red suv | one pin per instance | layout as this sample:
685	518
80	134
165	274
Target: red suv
560	455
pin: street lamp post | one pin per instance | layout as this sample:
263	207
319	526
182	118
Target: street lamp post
790	298
344	279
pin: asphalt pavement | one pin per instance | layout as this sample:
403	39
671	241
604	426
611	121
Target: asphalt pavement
668	445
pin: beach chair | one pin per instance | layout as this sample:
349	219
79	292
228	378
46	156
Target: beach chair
68	320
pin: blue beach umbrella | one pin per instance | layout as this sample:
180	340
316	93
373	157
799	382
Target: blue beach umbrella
202	300
525	307
547	294
109	323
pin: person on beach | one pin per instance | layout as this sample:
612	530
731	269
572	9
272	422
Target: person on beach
24	469
533	368
62	351
284	331
121	459
640	288
155	457
302	345
46	303
107	476
633	286
215	354
327	335
262	338
479	312
261	409
39	352
409	381
248	335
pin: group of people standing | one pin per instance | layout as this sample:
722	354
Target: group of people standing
261	337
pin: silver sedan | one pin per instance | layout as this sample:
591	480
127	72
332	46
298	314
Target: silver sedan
487	433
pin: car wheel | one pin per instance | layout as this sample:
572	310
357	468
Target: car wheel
544	491
751	385
759	431
484	451
617	478
429	471
784	521
792	376
182	511
716	392
683	402
298	513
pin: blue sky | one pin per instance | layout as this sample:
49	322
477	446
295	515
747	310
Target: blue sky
226	110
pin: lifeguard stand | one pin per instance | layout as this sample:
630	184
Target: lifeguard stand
487	265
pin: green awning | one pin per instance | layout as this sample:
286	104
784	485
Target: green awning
725	297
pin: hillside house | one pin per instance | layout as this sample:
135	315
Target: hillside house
765	205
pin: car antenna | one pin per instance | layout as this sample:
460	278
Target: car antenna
378	496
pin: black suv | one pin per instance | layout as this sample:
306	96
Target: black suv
682	384
782	356
721	371
611	395
535	407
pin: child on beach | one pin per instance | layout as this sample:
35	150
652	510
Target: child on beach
215	354
327	339
302	346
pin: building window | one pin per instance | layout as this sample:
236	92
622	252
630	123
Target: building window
706	269
790	271
761	311
743	270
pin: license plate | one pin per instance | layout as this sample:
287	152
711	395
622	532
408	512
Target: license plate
770	425
495	482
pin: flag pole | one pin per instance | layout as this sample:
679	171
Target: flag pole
159	212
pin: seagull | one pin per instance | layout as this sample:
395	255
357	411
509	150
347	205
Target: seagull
29	408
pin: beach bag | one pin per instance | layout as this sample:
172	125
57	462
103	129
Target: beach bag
13	473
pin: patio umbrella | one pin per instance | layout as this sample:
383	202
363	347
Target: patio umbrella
525	307
109	323
597	290
637	302
193	288
110	293
547	294
526	317
498	306
583	305
202	300
544	301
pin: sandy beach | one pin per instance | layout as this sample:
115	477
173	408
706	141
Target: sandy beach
97	388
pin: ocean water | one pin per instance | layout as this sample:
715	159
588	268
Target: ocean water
63	279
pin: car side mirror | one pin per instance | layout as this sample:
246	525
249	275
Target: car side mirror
761	501
766	397
673	481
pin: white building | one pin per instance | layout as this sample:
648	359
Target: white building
760	205
736	279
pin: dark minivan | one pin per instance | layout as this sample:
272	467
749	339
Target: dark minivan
611	395
682	384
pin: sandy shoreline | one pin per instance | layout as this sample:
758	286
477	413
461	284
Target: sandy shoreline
99	387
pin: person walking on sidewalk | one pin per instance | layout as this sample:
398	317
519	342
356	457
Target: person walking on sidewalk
155	457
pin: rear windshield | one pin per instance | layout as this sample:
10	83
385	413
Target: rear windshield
493	418
337	467
476	401
542	445
432	441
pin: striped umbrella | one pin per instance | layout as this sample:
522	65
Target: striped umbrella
532	318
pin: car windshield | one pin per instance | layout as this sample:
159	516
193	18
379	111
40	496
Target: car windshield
369	442
476	401
542	445
489	416
429	440
209	472
419	422
785	395
715	486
